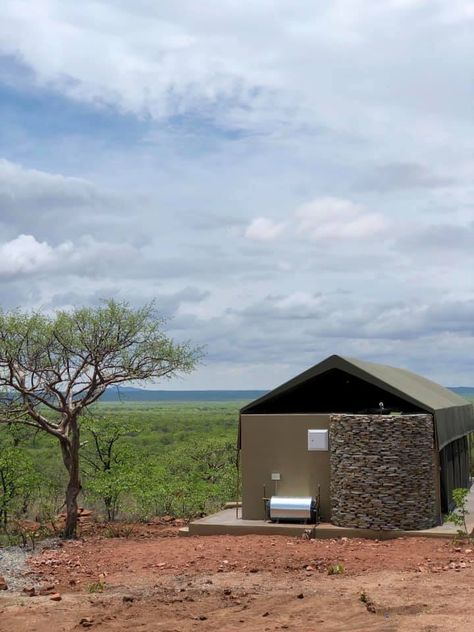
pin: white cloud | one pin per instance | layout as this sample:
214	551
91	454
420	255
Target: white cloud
26	255
360	108
172	57
264	229
298	300
19	184
51	205
335	218
43	203
326	218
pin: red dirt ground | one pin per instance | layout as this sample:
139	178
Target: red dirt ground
154	581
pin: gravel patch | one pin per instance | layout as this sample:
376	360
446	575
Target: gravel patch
14	567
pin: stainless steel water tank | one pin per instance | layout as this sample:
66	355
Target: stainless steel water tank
292	508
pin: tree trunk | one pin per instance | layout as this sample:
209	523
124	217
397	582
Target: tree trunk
109	508
4	511
70	449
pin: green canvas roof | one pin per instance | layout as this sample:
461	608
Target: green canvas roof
454	416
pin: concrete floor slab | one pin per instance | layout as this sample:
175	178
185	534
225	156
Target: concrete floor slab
226	522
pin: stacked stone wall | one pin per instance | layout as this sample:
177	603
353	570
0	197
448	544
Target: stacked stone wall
383	472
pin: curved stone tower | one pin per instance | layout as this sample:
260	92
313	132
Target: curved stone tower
383	471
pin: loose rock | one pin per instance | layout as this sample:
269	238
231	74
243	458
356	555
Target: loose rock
56	597
46	590
86	622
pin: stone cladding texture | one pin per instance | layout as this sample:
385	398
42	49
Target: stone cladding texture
383	473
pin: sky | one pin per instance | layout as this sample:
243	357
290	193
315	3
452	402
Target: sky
287	180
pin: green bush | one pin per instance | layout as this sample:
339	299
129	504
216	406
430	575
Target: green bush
18	483
458	516
139	460
192	480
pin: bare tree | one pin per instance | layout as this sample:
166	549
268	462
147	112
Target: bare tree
52	367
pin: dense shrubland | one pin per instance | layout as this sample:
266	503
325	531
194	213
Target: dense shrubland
139	460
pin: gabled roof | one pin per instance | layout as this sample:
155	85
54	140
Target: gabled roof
454	415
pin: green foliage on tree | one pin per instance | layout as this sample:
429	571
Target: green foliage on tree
460	512
159	469
111	466
53	367
190	480
18	479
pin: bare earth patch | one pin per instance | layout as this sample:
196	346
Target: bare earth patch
156	581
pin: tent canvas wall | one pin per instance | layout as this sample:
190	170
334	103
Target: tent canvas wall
272	427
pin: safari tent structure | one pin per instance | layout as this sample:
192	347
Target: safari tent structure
381	447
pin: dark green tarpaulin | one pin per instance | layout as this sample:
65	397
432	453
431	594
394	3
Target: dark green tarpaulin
454	416
454	461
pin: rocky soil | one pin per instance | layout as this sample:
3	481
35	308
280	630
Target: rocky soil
153	580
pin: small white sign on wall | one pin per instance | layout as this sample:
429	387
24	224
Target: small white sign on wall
318	440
